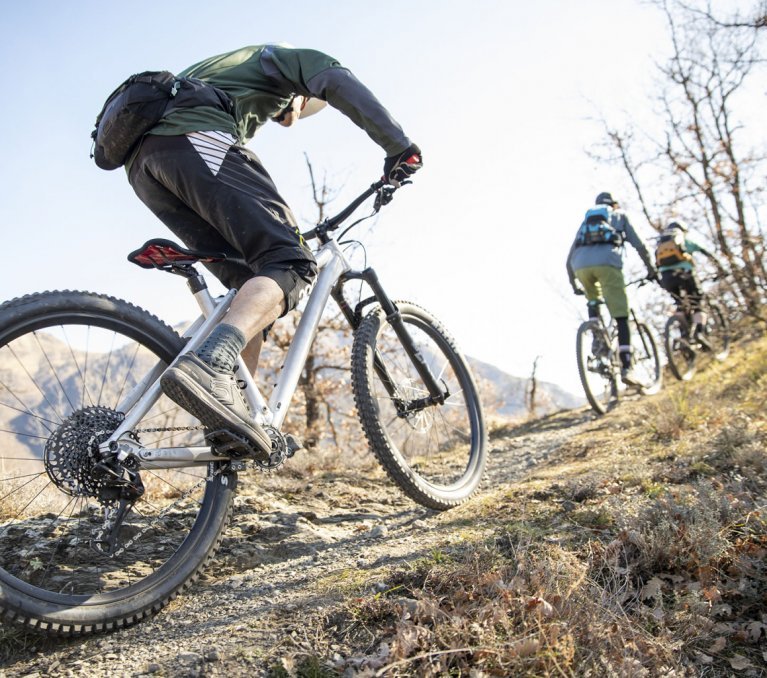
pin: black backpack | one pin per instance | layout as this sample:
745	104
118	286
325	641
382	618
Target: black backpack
138	104
597	228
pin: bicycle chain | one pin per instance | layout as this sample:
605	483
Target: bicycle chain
199	427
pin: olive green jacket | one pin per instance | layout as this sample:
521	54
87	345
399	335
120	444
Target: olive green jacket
261	81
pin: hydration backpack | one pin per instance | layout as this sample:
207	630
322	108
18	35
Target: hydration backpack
671	248
597	228
138	104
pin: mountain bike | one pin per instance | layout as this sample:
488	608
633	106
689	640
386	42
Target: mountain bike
599	365
113	499
685	343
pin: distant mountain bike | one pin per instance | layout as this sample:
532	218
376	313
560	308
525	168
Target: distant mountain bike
685	343
113	498
599	365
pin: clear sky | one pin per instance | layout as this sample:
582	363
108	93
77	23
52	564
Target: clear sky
499	94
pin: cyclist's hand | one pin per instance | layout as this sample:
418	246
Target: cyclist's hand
578	291
399	168
652	276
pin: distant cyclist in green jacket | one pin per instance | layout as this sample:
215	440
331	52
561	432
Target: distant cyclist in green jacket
673	256
193	171
595	268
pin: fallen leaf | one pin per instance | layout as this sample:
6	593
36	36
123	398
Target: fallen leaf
525	647
717	646
703	658
739	663
755	630
540	605
652	589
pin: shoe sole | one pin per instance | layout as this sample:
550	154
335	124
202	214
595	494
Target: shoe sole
188	395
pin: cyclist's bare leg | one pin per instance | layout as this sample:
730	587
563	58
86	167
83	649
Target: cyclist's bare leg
252	352
258	303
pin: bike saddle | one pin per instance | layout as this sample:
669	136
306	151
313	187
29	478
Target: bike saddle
166	254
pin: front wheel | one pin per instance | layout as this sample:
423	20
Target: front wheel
436	453
717	331
682	357
597	366
70	563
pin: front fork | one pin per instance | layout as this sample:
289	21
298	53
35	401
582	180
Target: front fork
438	392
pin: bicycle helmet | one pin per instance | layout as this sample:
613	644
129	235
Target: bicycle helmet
677	224
605	198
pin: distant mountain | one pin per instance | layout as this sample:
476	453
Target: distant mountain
506	395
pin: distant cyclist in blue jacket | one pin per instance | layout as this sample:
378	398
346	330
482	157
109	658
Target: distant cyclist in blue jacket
595	268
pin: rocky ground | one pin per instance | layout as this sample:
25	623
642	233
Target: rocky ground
298	544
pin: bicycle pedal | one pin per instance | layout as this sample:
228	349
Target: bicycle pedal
225	443
293	444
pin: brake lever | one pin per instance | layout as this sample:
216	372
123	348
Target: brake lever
385	195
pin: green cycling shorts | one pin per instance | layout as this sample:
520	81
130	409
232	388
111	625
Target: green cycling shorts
605	283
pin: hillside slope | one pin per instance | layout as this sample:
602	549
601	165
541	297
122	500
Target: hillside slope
630	545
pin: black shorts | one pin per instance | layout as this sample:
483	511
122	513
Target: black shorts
230	206
679	283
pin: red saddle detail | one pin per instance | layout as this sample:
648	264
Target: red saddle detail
163	254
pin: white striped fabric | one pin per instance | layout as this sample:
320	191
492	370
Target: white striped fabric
212	147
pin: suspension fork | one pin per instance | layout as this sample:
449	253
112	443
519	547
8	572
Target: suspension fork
438	393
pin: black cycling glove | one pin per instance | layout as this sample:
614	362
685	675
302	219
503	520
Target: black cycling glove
399	168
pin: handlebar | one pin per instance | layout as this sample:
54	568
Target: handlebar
384	193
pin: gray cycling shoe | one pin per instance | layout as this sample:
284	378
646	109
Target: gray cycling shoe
217	401
629	378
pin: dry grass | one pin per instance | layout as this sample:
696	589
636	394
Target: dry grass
641	550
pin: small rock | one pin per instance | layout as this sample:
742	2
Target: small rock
420	524
379	531
189	658
211	655
152	668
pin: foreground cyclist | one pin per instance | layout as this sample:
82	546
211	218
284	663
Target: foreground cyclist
194	173
595	261
673	256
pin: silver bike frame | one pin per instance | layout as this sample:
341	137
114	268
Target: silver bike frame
331	263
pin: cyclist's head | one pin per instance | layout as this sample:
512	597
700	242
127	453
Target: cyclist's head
677	224
605	198
300	107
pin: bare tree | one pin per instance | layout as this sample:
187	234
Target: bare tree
322	396
532	388
698	167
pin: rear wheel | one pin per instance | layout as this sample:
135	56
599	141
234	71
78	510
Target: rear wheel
69	563
435	453
646	360
596	366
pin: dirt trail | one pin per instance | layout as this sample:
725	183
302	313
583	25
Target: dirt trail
285	559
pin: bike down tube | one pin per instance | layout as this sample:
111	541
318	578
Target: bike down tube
437	393
332	264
